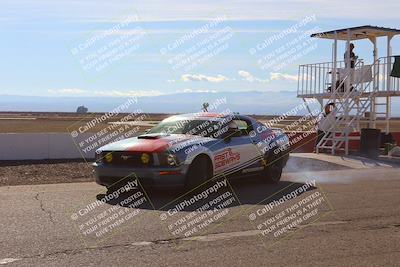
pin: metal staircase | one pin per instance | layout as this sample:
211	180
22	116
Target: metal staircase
351	105
359	98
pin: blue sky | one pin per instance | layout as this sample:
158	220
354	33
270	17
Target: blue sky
38	38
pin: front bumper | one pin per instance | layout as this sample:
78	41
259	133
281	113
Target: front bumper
108	175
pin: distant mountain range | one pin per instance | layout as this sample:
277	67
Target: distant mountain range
251	102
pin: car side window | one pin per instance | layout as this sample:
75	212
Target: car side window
244	126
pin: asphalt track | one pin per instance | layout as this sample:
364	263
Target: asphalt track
357	223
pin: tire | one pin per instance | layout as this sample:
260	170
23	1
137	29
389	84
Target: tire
200	171
273	169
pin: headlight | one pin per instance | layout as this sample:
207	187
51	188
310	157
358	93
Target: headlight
145	158
172	160
108	157
168	160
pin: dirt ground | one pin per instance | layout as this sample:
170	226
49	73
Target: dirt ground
37	122
44	172
62	122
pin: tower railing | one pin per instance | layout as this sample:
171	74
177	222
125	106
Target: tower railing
387	83
315	78
318	79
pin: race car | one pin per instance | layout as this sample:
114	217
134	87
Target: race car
190	149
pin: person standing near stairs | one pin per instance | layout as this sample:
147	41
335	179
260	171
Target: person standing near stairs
326	122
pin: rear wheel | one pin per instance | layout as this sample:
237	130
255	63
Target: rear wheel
273	169
199	172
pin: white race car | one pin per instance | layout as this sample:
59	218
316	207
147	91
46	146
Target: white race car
187	150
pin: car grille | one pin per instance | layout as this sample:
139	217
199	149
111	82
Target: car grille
127	159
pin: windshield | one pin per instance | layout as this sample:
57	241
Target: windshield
206	128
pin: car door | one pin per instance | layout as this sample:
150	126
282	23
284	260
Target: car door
239	154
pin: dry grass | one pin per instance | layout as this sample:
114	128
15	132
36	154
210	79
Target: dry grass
57	122
67	122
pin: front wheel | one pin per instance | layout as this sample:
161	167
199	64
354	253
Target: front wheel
199	172
272	169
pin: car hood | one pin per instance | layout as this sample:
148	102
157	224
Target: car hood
155	143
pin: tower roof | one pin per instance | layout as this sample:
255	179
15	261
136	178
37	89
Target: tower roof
357	33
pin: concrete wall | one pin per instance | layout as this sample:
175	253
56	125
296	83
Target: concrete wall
29	146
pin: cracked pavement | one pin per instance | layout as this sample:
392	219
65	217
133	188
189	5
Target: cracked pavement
363	228
48	212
